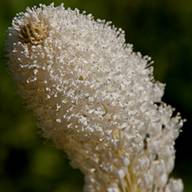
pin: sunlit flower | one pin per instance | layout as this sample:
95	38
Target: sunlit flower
95	98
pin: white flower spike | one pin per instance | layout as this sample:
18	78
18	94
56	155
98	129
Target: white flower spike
95	98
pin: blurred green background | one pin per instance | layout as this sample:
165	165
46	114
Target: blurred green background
159	28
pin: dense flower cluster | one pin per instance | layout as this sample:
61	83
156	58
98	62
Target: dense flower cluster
95	98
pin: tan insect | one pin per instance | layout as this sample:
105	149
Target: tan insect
34	32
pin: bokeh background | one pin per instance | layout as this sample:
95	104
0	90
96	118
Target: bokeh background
161	29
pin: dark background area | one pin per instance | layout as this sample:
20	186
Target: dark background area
161	29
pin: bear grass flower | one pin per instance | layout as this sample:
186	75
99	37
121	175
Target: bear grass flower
95	99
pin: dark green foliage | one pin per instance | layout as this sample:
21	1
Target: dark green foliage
162	29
